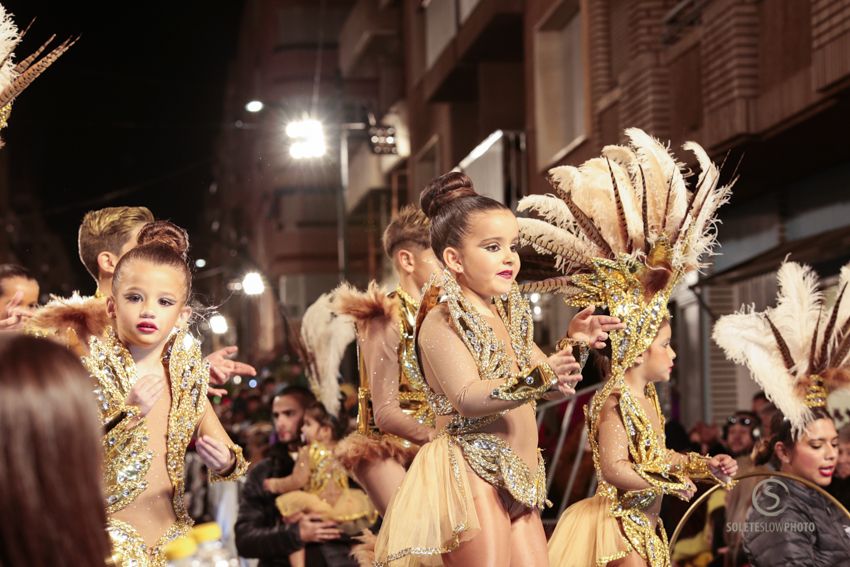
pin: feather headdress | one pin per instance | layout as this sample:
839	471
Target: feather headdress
623	229
798	351
15	77
325	335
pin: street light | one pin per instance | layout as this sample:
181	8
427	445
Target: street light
252	284
308	139
218	324
254	106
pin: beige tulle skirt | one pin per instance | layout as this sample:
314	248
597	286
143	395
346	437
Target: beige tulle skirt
431	513
353	510
587	534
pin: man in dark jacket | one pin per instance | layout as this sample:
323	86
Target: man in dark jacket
260	530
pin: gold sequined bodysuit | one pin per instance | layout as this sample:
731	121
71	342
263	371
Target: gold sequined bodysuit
394	417
412	389
488	454
663	470
483	396
144	456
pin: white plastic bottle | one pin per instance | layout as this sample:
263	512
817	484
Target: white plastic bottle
211	552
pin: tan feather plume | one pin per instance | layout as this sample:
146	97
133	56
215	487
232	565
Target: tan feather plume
665	181
567	249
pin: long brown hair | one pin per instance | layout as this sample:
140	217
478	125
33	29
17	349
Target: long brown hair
50	458
448	201
780	431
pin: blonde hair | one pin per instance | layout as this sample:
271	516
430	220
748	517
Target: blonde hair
411	226
108	230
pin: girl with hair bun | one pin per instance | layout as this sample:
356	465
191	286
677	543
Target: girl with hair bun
151	386
473	495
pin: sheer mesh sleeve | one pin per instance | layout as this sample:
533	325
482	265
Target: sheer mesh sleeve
451	369
299	477
379	343
614	460
211	426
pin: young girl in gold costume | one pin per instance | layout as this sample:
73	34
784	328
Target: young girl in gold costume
394	417
151	384
318	484
624	228
473	495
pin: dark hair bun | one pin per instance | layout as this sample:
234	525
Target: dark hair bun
444	190
165	233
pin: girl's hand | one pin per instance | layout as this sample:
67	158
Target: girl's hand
723	467
567	370
216	455
688	492
146	392
13	316
592	329
223	367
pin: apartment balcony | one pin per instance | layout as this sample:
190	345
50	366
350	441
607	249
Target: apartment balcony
460	34
369	34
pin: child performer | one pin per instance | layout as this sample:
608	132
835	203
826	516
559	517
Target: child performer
151	384
319	484
626	229
473	495
394	417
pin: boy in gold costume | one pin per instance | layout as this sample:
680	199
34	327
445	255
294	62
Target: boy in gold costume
394	417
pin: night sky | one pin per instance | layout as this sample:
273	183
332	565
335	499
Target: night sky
128	116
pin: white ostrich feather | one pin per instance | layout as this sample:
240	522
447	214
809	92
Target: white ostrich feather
563	178
596	198
567	248
746	339
798	306
626	158
326	336
664	180
9	39
700	240
551	209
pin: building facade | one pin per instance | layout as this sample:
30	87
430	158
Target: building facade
507	89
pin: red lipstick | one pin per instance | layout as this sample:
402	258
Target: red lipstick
147	327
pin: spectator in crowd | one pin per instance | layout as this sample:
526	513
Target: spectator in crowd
260	530
763	408
50	459
18	296
740	433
